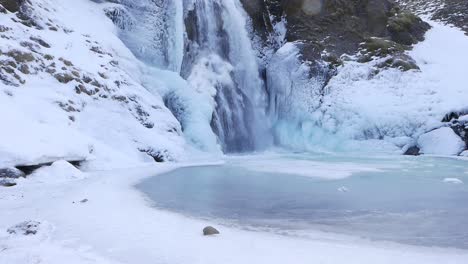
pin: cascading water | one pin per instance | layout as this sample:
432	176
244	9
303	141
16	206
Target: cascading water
207	42
219	49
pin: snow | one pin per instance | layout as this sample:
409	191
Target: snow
442	141
363	102
45	120
117	225
453	181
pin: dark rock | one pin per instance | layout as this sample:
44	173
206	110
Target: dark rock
64	77
401	61
461	129
454	116
413	151
25	228
66	62
157	155
20	57
454	12
28	169
84	201
11	173
378	47
40	42
12	5
407	28
24	69
7	183
209	231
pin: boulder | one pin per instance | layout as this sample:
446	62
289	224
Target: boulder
406	28
209	231
441	141
11	173
412	151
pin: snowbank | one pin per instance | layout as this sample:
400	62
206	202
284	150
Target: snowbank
442	141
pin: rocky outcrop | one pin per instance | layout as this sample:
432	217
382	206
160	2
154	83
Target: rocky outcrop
454	12
337	26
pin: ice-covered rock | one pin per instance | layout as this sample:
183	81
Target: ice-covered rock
442	141
59	171
11	172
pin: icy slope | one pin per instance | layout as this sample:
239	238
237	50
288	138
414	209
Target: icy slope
71	89
365	107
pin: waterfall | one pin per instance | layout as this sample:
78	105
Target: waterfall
208	44
219	52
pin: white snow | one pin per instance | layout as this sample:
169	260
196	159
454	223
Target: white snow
453	181
117	225
362	103
442	141
44	120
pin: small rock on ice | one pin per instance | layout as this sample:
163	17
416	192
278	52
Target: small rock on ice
209	230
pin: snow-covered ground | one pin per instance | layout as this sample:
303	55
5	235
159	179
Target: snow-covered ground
99	217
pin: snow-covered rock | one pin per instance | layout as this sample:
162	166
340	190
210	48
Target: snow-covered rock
70	89
442	141
59	171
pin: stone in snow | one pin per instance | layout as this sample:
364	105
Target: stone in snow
209	230
11	173
25	228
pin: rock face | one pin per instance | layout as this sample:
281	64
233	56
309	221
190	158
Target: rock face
338	26
12	5
454	12
209	231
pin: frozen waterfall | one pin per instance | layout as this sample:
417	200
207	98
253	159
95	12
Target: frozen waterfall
207	43
219	56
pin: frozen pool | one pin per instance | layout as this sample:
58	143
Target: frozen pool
421	201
